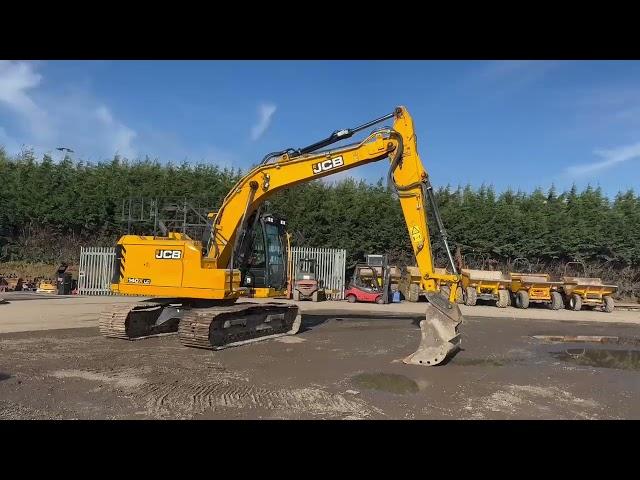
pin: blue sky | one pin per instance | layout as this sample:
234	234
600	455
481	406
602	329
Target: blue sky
518	124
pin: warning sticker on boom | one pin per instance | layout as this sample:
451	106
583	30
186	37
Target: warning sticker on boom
416	234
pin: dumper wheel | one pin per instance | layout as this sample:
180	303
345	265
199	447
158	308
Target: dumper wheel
296	296
522	299
314	296
503	299
575	303
556	301
510	298
472	297
414	293
608	304
459	295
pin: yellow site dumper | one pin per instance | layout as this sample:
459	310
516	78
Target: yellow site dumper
492	285
588	291
531	287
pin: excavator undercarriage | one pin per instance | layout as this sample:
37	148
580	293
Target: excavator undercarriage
199	324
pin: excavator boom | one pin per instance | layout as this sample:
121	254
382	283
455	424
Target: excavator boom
199	272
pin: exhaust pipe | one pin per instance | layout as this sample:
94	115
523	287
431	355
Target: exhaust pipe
440	335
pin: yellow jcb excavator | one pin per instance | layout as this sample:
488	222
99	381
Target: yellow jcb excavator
195	284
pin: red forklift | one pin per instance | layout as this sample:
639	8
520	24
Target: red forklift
369	283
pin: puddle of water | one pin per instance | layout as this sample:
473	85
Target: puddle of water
577	338
485	362
369	327
601	339
386	382
591	357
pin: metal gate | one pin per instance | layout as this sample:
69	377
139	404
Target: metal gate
96	269
331	267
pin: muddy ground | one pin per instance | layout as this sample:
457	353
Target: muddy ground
334	369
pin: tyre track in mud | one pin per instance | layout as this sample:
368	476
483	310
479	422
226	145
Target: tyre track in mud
195	398
18	411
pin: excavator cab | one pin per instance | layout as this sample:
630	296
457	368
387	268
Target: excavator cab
262	257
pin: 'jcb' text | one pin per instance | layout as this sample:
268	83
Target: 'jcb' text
327	165
168	254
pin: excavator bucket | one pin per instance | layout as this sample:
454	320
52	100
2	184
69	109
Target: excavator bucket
440	335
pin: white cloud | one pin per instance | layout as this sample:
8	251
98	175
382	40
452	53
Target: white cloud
612	106
501	78
610	158
510	69
17	79
166	146
265	114
44	121
121	136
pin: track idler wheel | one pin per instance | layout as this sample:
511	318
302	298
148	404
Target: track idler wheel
440	335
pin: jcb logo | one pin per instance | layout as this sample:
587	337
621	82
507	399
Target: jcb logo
168	254
327	165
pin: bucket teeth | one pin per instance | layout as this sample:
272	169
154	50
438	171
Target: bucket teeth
440	337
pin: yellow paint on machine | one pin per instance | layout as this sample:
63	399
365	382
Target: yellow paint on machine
265	292
168	277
